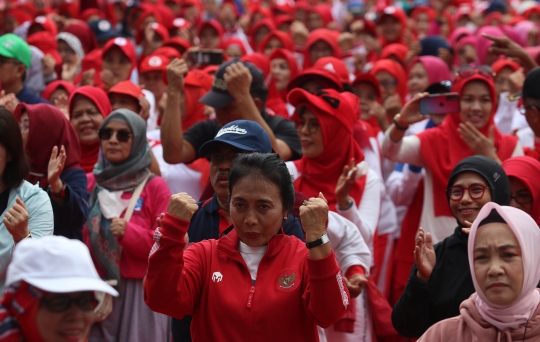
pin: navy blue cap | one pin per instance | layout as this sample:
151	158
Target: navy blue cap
218	96
103	30
245	135
431	45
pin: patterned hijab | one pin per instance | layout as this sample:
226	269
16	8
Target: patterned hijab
123	176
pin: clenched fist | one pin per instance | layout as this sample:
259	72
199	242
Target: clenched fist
176	71
314	215
183	206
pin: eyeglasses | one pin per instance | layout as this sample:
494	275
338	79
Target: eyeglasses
63	303
312	127
522	198
218	158
122	135
467	71
475	192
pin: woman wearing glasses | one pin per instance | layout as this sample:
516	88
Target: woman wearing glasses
524	187
469	132
440	279
53	149
333	163
126	198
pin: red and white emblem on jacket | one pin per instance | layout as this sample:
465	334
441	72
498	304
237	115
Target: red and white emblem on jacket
288	280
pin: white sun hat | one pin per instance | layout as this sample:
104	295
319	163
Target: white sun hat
55	264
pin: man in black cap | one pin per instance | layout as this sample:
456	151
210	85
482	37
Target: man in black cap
238	93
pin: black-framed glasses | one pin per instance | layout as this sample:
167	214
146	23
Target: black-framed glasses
62	303
522	198
476	192
467	71
122	135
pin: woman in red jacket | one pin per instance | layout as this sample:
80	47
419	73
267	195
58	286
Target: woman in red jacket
255	283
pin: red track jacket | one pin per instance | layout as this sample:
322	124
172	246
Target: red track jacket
211	281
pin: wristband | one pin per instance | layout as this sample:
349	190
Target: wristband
398	126
319	242
60	194
349	205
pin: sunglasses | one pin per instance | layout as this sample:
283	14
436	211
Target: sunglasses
468	71
63	303
122	135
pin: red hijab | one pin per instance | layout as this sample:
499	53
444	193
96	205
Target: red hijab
233	42
396	70
290	58
274	100
49	119
320	174
325	13
252	33
53	86
284	38
526	169
84	33
91	61
442	148
504	63
89	153
396	49
325	35
369	78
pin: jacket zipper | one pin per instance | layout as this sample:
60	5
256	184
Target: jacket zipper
250	296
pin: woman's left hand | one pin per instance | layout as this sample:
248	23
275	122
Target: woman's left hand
345	183
118	227
314	215
16	221
56	166
479	143
356	284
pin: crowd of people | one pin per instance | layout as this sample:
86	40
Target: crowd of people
245	170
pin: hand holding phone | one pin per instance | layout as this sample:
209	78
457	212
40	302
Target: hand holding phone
208	57
440	104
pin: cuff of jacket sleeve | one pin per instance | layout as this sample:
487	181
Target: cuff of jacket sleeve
355	269
323	268
173	227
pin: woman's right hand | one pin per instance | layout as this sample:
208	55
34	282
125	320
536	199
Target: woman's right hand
424	256
16	221
183	206
410	113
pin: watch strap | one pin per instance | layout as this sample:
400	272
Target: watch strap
319	242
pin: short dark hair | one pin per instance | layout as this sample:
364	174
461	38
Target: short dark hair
261	94
11	139
268	167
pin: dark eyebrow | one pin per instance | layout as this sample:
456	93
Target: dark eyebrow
502	247
475	183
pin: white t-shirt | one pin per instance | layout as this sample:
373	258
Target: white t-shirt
252	256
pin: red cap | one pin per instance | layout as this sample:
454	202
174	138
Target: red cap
326	78
160	30
87	13
153	62
326	100
181	45
395	12
169	52
45	23
127	88
125	46
334	65
53	86
181	23
47	43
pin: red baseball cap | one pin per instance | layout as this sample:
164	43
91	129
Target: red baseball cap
160	30
336	66
125	46
326	78
180	44
153	62
45	23
169	52
127	88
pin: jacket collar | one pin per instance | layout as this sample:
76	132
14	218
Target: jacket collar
229	241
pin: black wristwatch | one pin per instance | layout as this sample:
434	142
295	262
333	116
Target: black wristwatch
319	242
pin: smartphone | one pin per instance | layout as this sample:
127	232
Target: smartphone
208	57
440	104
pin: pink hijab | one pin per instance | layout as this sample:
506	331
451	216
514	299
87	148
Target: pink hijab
528	235
436	68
